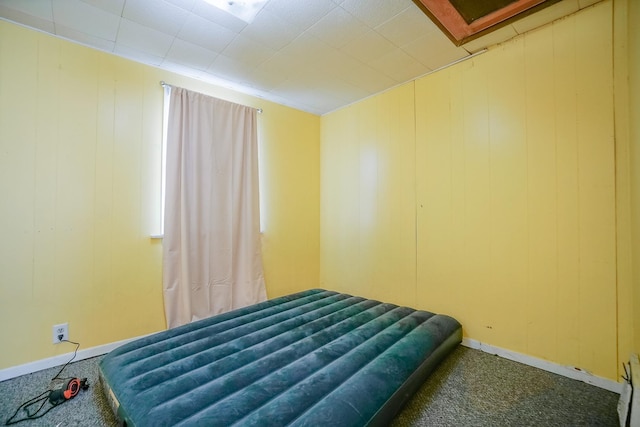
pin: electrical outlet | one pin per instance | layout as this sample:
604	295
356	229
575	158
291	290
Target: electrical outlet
61	329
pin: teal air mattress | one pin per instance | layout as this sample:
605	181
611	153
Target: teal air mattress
314	358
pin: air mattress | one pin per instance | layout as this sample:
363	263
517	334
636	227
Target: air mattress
312	358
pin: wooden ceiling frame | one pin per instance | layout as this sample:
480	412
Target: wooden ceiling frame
451	22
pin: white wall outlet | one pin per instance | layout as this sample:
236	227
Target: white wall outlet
60	330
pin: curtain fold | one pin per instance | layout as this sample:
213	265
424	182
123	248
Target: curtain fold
212	259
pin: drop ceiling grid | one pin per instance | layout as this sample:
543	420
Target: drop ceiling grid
316	55
340	35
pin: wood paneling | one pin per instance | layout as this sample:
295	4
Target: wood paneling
367	198
538	157
80	135
514	175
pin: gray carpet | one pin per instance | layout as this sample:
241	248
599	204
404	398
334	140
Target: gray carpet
470	388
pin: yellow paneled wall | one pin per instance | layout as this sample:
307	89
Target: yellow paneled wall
290	183
80	134
502	203
517	204
367	198
634	122
624	75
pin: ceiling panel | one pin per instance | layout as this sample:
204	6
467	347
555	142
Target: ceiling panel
301	15
202	32
405	27
144	39
368	47
247	51
398	65
16	14
270	30
183	52
375	12
35	8
231	69
338	27
85	18
218	16
111	6
164	17
315	55
84	38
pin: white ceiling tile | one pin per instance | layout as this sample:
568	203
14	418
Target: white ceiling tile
501	35
179	68
315	98
245	50
137	55
295	68
301	17
348	92
185	53
185	4
376	12
85	18
546	15
85	39
219	16
333	62
423	48
26	19
368	46
338	28
36	8
242	87
446	57
268	75
144	39
230	69
112	6
270	30
205	33
302	45
280	64
324	56
400	66
315	55
369	79
406	27
157	14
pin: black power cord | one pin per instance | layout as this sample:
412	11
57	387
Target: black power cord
56	396
75	352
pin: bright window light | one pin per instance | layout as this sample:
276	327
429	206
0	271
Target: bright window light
243	9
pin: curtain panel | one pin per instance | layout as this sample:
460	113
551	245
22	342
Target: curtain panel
212	261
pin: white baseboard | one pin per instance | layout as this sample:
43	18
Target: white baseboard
565	371
50	362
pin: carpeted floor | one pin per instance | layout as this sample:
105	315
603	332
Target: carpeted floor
470	388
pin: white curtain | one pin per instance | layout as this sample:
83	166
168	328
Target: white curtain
211	247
